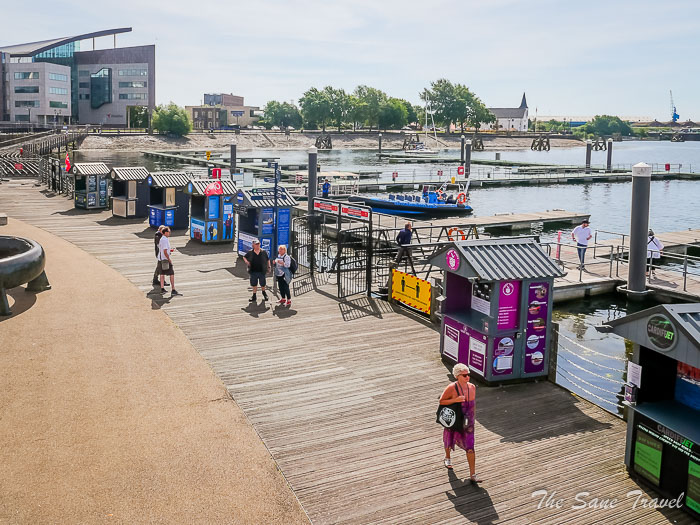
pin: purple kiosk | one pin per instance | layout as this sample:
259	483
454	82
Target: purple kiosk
497	307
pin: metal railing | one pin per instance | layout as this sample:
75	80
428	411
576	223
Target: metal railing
555	249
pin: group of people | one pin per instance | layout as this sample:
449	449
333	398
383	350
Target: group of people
582	234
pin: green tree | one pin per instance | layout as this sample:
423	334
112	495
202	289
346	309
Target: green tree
392	114
603	125
338	104
456	104
357	111
282	114
138	116
315	108
411	111
171	119
479	114
374	99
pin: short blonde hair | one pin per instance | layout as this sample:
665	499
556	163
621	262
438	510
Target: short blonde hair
459	368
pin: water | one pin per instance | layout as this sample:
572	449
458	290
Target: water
592	364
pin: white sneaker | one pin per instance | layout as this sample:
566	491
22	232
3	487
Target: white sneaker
448	463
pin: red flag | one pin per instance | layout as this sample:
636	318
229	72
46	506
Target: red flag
67	163
214	189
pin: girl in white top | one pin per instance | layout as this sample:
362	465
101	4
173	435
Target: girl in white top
654	247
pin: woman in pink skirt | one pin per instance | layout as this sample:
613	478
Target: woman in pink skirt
461	391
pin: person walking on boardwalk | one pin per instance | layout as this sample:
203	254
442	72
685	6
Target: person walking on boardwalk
156	241
326	188
283	274
582	234
165	262
461	391
404	240
258	265
654	247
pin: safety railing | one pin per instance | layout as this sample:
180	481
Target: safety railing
689	265
567	255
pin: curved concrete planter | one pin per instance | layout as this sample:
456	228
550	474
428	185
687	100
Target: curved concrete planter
21	261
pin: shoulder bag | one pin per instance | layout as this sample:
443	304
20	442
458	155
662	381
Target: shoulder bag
451	416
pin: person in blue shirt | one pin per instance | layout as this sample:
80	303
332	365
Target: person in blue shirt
326	189
403	239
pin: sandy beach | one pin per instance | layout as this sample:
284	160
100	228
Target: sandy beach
295	141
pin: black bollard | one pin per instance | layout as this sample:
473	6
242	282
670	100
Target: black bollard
467	158
639	229
610	144
380	143
589	147
313	184
233	158
461	154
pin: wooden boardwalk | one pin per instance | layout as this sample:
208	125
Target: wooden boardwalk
343	394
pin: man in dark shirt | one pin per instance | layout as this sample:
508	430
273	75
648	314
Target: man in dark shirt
258	265
326	188
404	240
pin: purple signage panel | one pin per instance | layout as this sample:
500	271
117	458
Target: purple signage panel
536	330
508	305
477	351
464	345
503	355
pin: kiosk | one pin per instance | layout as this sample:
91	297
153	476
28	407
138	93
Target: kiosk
497	306
169	204
91	185
663	396
130	192
255	208
211	210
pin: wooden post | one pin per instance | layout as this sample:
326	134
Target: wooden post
589	147
610	146
553	352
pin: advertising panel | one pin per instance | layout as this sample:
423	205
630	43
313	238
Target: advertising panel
536	330
245	242
213	210
283	216
197	229
411	291
213	231
268	220
647	455
503	349
508	305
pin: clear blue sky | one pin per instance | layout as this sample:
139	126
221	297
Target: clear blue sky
570	57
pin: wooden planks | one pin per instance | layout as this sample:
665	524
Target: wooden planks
343	394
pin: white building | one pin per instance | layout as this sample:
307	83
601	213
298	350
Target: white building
38	92
509	119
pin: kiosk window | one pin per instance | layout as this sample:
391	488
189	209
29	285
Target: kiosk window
688	386
170	196
647	456
80	184
692	498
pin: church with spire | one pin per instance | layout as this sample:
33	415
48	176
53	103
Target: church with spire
510	119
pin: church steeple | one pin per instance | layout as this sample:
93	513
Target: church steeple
523	104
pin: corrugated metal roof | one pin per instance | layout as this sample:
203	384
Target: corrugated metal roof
171	179
265	198
130	173
199	185
502	259
90	168
687	315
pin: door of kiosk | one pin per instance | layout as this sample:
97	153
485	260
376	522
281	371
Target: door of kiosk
498	307
92	185
169	204
130	192
212	218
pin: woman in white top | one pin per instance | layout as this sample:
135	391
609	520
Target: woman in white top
654	247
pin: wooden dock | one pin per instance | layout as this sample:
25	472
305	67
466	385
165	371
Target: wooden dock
343	394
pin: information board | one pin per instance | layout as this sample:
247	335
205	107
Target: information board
411	291
536	329
283	216
647	455
508	305
692	497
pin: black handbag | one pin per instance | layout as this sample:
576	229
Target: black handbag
451	416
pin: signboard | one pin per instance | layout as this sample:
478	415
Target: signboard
91	200
325	207
268	220
661	332
266	244
450	346
197	229
92	183
355	212
213	208
452	259
228	219
634	374
647	455
687	385
245	242
411	291
460	170
18	166
503	349
508	305
216	173
283	217
213	231
208	153
692	497
536	329
237	113
481	300
477	354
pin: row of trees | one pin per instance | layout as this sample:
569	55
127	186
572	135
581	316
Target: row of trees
370	107
600	126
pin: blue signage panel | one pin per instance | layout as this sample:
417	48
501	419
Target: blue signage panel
266	244
213	207
268	220
170	217
228	222
283	215
213	231
197	229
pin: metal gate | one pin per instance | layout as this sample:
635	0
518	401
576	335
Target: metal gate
353	261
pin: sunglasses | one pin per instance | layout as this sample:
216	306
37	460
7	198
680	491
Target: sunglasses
463	375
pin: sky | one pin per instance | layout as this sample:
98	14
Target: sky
584	57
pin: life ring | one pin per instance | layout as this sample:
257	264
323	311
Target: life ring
459	232
461	198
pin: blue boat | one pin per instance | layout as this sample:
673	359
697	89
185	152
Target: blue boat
448	199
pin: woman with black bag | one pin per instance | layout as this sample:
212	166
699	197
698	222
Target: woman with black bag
461	392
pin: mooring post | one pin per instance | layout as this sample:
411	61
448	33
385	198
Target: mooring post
639	229
589	148
380	143
233	159
467	158
313	184
609	166
461	155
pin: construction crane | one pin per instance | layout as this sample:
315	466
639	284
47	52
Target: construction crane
674	116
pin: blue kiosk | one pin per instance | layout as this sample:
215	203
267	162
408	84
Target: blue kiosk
130	192
92	188
255	208
169	204
212	219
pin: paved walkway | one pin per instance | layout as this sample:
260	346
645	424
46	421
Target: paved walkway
108	415
344	394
